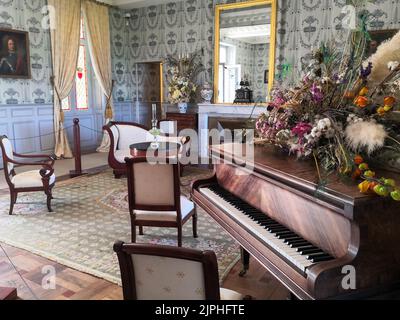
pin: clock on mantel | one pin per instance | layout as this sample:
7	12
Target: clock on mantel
244	94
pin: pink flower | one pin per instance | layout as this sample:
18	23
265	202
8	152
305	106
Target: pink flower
301	129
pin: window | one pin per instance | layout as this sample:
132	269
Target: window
81	85
79	97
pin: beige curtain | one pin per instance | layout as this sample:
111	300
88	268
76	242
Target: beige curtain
65	39
98	34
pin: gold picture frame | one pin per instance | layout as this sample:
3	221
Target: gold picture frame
272	49
15	65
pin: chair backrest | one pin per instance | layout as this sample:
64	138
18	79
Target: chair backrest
124	134
152	272
153	187
169	127
7	152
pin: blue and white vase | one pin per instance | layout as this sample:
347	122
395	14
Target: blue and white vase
183	106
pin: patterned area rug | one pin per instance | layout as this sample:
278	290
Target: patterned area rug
90	214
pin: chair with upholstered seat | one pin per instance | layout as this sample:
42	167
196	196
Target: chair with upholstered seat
154	197
122	136
153	272
28	181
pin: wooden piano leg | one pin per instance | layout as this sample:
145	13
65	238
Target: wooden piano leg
245	262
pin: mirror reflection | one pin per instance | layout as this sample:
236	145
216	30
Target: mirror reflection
243	56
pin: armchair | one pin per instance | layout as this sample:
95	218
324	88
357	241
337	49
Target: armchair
30	181
122	135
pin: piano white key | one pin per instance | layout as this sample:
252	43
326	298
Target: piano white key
277	244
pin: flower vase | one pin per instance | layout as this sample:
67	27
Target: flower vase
182	106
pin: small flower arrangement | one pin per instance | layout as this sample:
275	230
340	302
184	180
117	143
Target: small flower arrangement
182	74
340	113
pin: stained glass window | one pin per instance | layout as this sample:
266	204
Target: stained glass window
81	84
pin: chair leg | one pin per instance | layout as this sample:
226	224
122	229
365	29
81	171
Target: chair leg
12	202
133	232
117	175
16	197
194	221
180	236
49	197
141	231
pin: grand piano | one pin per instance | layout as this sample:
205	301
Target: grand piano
321	242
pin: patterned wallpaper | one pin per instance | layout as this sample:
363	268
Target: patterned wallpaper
26	15
261	63
244	56
303	24
187	26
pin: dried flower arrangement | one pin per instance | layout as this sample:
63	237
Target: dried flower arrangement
340	112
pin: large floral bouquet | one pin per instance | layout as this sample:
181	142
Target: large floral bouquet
181	76
180	88
341	113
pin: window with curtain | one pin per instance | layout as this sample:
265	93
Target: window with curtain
79	97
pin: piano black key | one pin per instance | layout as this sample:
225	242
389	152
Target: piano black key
317	255
276	229
310	250
284	236
299	244
321	259
285	233
294	238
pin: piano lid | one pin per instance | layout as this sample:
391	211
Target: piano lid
301	175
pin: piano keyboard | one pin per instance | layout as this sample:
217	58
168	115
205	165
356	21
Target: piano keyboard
288	244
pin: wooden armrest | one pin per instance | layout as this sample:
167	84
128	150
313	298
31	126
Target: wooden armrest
46	173
50	158
46	165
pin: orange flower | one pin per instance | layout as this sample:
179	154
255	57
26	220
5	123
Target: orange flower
358	160
372	185
364	91
361	101
389	101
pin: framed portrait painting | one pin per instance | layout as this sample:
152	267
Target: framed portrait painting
377	37
14	54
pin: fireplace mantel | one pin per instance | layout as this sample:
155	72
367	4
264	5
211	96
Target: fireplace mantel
207	111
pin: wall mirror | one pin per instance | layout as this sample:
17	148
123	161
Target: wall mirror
244	62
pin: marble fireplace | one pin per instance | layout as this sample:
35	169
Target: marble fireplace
220	116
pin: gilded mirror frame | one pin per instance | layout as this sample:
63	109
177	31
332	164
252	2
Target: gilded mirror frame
272	49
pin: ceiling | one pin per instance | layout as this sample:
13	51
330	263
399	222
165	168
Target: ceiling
130	4
259	34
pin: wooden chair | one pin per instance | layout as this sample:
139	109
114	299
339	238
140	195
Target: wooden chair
29	181
152	272
155	198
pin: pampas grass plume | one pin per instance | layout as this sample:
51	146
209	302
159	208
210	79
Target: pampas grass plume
366	136
388	51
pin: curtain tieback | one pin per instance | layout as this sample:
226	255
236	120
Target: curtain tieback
109	110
